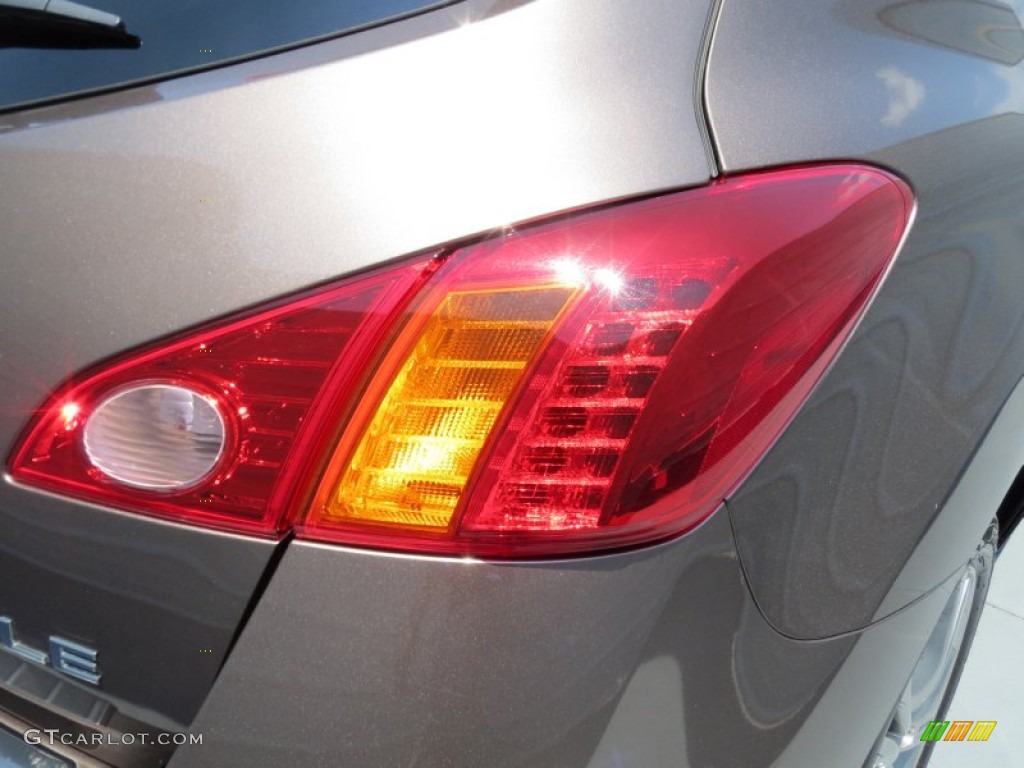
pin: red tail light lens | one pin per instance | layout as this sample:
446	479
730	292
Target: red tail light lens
597	381
269	375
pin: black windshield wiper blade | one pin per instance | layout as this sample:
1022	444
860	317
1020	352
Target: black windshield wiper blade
60	24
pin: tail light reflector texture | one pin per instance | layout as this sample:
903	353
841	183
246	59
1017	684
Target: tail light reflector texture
596	381
418	451
155	436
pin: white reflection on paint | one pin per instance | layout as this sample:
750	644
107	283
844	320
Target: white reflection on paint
905	95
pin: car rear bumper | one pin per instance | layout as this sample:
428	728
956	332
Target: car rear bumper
363	658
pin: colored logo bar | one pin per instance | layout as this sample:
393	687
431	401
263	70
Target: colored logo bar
958	730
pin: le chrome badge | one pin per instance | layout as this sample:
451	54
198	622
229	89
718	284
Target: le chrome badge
71	658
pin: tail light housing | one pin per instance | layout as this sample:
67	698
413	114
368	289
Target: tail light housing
594	381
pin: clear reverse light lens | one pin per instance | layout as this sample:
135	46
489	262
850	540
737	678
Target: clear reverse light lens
155	436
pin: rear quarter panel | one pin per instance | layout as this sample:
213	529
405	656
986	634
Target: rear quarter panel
934	91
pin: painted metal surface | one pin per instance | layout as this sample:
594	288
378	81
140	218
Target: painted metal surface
653	658
934	91
648	658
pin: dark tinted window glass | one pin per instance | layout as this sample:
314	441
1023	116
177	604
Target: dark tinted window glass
175	35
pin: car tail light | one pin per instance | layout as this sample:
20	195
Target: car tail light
267	376
595	381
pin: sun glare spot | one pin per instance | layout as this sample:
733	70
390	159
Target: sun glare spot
69	413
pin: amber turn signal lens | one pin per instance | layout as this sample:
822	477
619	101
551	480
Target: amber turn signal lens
416	454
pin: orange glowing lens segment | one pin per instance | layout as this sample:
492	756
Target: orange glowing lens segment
416	453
